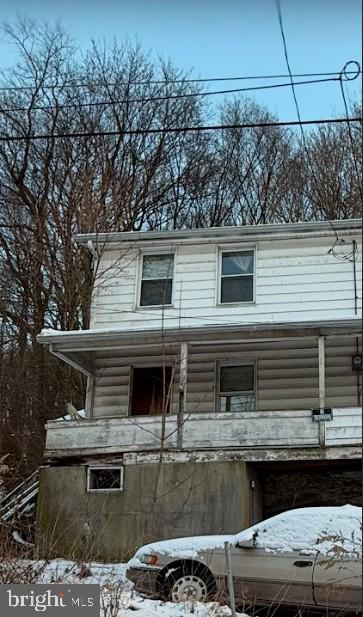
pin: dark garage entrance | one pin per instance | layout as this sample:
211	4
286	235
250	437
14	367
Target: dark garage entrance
280	486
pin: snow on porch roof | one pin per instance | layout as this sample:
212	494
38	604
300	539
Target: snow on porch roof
113	338
208	234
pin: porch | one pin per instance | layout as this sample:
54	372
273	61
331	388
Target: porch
210	431
281	386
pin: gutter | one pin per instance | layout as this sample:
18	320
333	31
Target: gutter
247	233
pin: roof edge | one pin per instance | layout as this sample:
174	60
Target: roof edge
215	233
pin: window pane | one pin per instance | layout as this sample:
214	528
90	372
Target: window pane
237	378
237	263
105	479
238	403
156	292
157	266
237	289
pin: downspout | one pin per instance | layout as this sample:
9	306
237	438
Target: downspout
355	249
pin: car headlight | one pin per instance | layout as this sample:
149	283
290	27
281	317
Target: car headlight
150	560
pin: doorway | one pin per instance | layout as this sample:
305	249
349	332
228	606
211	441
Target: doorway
150	391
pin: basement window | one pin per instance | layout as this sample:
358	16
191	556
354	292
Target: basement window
237	391
157	280
105	479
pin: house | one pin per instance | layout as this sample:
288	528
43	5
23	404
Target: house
223	372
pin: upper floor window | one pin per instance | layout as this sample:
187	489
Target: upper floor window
237	272
237	390
157	280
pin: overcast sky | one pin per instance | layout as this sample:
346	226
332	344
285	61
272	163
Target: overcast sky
221	38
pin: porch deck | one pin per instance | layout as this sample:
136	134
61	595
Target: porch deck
245	430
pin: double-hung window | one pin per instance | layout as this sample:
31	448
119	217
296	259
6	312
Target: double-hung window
237	273
237	391
157	280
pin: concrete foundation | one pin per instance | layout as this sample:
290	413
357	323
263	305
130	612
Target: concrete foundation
157	502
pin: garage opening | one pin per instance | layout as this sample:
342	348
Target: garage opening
151	391
280	486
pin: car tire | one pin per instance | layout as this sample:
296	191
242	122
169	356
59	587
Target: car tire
191	584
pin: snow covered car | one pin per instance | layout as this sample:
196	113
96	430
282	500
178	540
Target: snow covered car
307	557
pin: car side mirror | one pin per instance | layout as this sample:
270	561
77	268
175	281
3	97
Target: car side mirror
249	543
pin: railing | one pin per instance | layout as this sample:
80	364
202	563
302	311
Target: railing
268	429
20	499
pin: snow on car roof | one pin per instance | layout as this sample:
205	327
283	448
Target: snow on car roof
326	529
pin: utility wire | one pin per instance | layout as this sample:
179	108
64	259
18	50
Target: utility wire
72	84
180	129
279	13
166	97
341	80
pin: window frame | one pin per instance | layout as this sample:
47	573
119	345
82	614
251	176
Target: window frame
155	253
234	362
235	249
91	468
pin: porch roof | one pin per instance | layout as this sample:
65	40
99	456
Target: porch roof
93	340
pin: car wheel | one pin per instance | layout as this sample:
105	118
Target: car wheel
187	585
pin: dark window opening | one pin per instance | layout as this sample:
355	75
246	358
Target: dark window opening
105	479
151	391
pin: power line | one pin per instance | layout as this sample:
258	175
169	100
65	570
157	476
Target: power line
300	123
344	73
166	97
180	129
72	84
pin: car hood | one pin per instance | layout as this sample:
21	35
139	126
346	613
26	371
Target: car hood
180	547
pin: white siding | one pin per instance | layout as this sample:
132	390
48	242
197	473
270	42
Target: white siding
296	280
287	375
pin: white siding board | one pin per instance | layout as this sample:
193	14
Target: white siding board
294	279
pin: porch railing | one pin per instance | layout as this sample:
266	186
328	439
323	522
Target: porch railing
263	429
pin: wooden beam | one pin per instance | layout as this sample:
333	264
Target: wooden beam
78	363
322	425
183	378
88	406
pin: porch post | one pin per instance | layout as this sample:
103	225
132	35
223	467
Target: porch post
183	376
88	407
322	425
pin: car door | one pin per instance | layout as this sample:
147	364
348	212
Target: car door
267	577
338	582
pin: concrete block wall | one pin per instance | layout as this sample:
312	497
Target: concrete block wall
158	502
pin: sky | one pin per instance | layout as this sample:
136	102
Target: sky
221	38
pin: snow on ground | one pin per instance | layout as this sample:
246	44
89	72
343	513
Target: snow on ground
118	599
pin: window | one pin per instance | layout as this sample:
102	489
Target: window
156	280
151	391
237	270
237	388
104	479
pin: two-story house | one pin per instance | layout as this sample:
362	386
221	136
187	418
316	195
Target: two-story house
223	385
